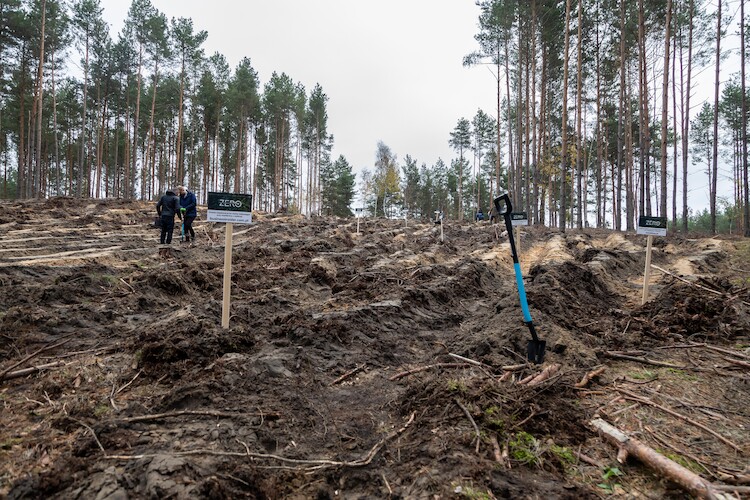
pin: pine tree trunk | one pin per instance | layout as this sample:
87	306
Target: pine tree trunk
686	115
617	188
629	161
674	122
134	151
564	149
746	204
715	159
643	118
150	141
599	127
54	126
534	138
579	108
39	190
178	150
665	110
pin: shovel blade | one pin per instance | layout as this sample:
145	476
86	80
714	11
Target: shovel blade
535	351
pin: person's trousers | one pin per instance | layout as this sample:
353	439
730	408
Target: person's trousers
167	228
189	231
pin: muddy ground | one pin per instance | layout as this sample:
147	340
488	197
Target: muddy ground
340	374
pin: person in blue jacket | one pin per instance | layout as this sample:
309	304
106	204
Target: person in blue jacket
189	212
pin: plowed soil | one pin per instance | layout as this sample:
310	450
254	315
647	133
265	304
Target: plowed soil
380	364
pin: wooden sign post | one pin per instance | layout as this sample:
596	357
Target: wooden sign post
650	226
358	212
230	208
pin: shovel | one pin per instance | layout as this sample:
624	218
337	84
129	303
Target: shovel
535	348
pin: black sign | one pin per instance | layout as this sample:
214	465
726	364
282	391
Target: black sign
230	207
230	201
655	226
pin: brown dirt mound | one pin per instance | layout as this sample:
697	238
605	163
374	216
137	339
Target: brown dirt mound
335	378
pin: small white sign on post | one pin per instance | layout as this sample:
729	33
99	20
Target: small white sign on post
519	219
650	226
230	208
358	212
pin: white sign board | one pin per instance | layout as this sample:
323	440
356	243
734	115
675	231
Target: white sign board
519	218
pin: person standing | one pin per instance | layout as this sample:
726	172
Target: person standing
189	212
167	207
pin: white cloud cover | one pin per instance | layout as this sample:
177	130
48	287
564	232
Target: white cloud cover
392	69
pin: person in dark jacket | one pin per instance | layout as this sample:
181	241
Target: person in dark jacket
188	204
167	208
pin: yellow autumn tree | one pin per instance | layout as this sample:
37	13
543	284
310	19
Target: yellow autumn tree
386	180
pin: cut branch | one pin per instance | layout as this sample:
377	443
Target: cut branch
348	374
29	371
428	367
617	355
685	478
590	376
33	355
546	374
204	413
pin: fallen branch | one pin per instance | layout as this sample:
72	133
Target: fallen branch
590	375
635	397
82	424
546	374
496	449
686	479
737	362
644	360
722	350
118	391
348	374
28	371
425	368
732	489
203	413
467	360
33	355
473	423
591	461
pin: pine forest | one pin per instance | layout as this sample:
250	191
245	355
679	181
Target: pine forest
599	117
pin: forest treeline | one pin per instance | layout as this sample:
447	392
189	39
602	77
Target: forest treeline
594	123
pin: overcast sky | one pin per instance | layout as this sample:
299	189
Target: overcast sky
392	69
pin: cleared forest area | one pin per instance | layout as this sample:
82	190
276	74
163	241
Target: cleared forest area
372	365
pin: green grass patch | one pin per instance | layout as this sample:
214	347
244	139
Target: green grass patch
455	385
642	374
471	492
494	418
525	449
682	374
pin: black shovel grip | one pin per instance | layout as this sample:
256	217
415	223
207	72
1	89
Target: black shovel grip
503	205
